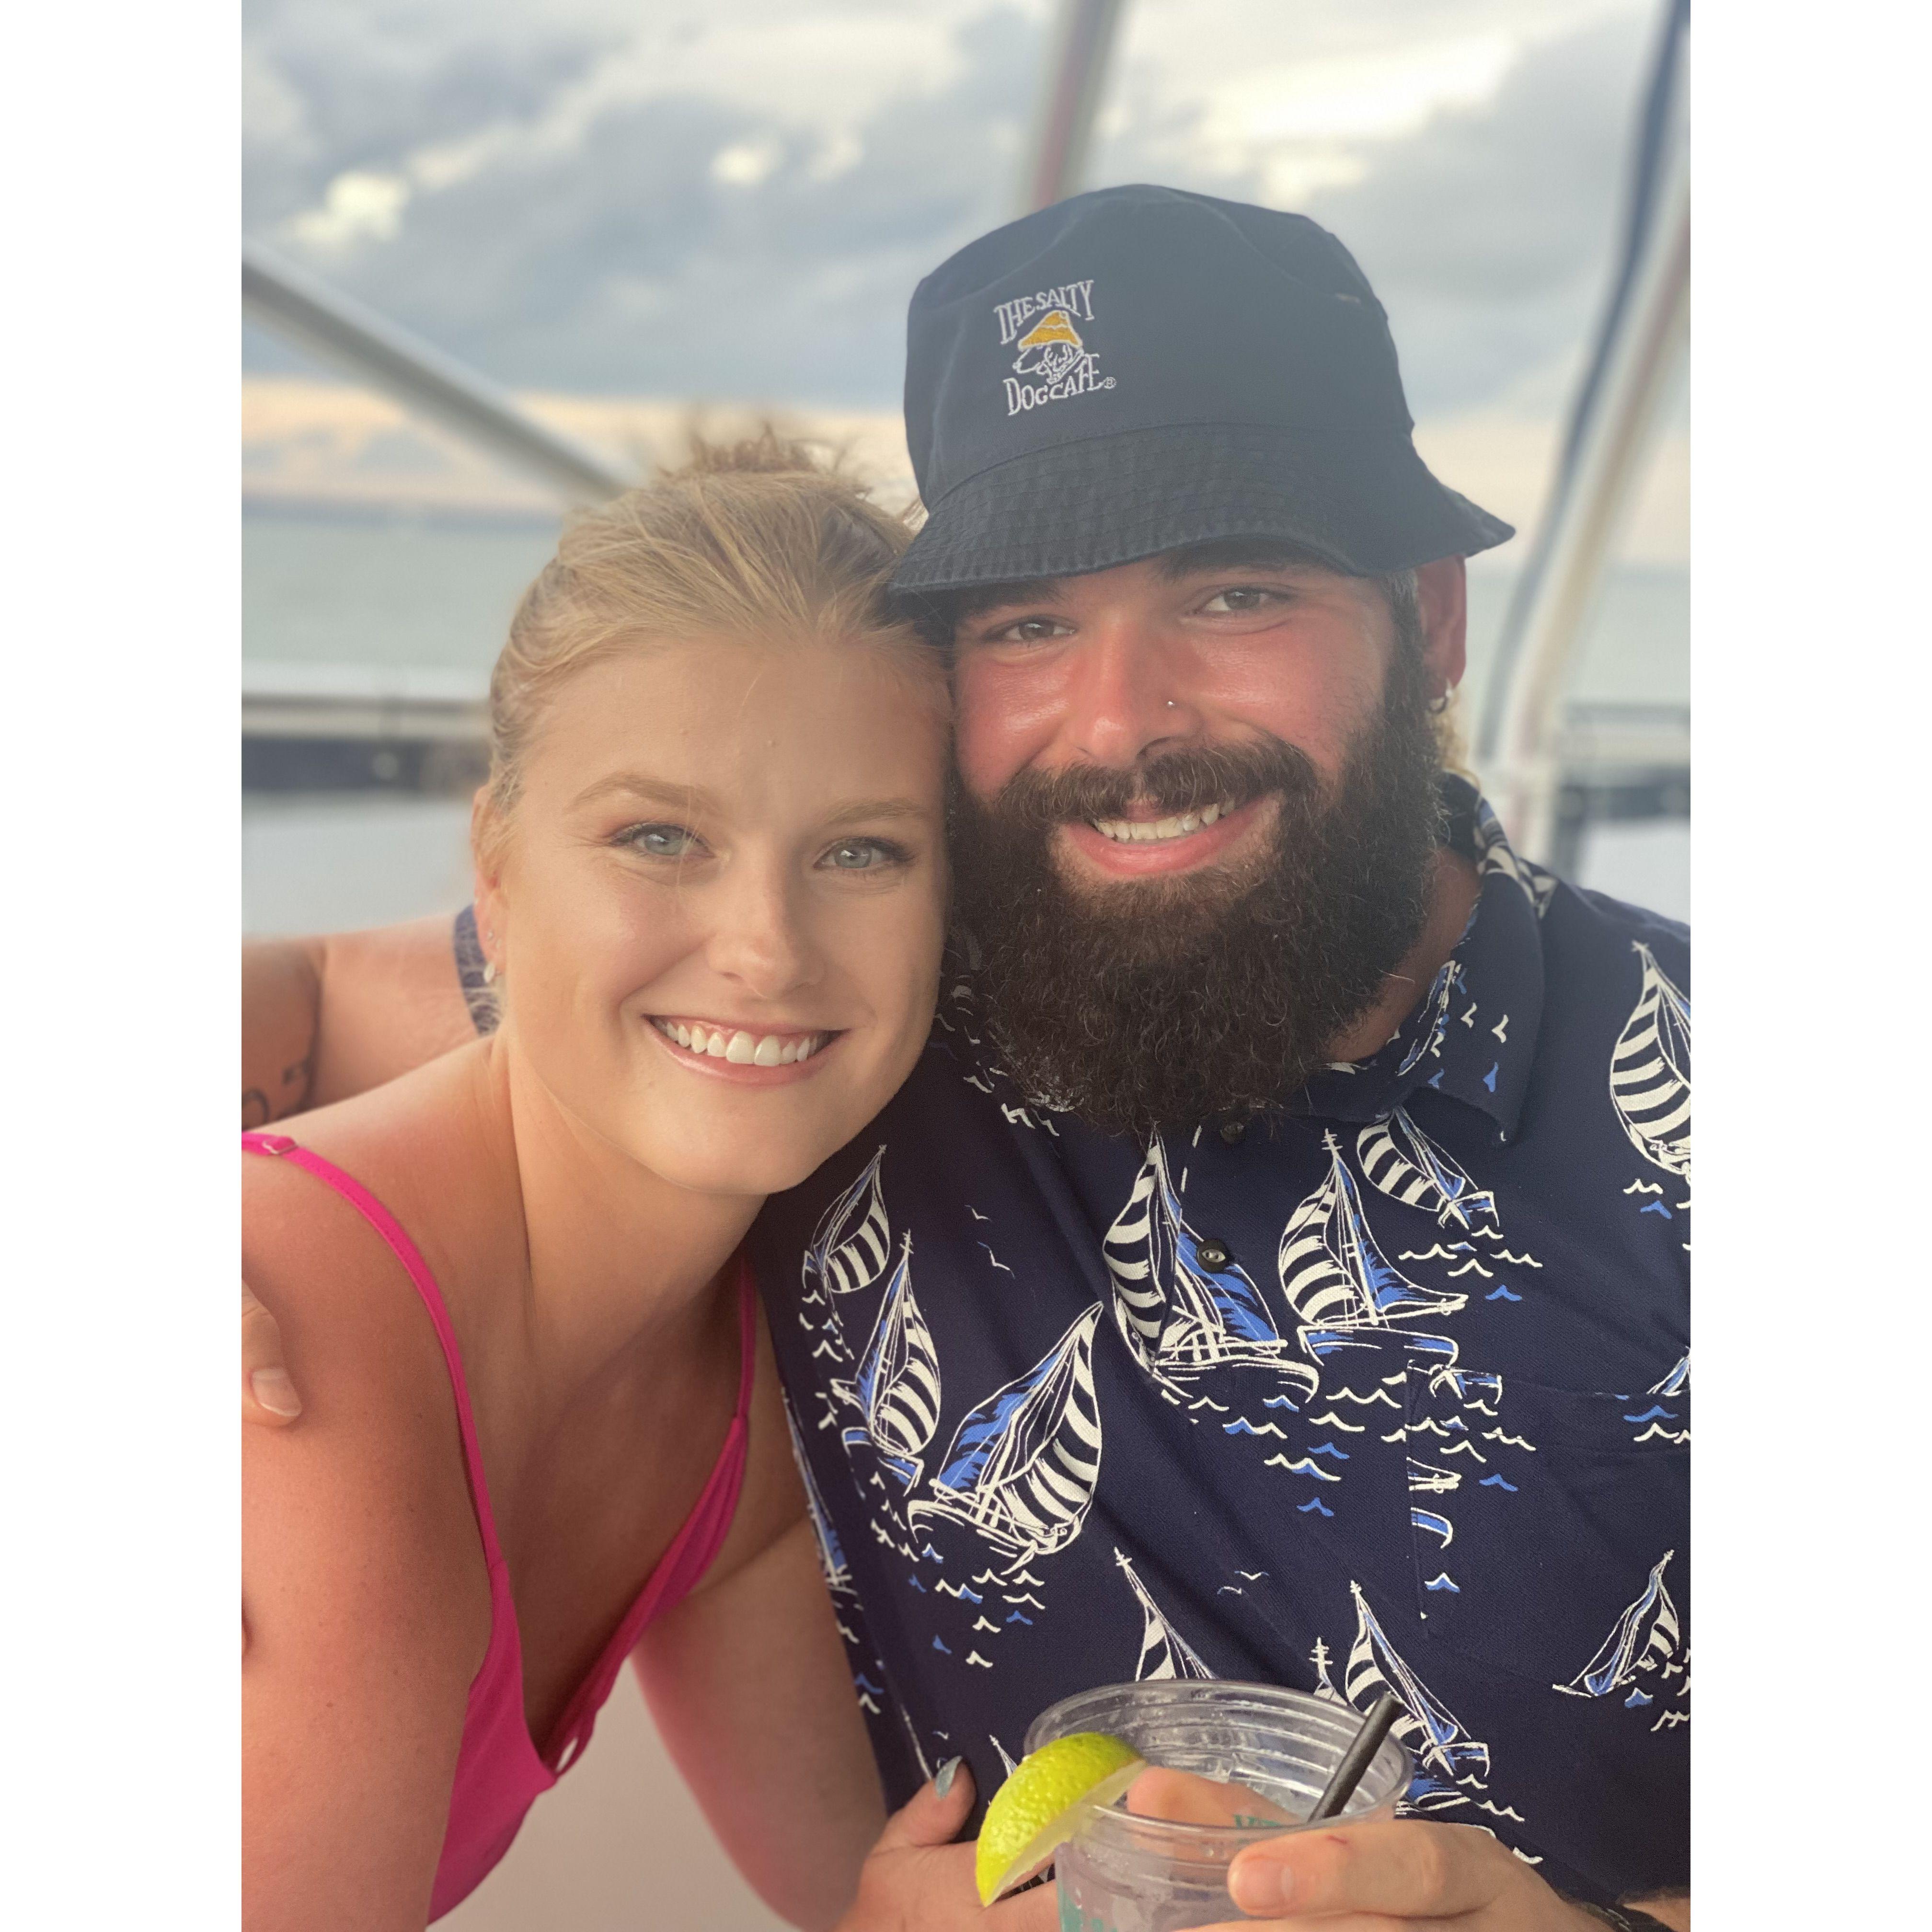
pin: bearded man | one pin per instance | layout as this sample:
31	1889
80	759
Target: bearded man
1291	1208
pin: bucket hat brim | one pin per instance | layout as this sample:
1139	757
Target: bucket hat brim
1363	501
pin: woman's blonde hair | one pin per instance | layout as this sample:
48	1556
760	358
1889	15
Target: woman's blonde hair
756	539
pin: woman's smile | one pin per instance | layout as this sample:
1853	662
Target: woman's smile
764	1054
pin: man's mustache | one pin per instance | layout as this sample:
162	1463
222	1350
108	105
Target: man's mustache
1175	782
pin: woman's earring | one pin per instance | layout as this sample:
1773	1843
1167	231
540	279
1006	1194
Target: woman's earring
489	972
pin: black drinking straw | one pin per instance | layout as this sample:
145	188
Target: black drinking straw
1355	1760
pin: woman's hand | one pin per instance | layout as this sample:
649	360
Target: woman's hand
918	1880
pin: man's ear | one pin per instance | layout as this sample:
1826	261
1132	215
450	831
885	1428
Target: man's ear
1442	591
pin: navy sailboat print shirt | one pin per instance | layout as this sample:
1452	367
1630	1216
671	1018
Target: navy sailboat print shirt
1393	1394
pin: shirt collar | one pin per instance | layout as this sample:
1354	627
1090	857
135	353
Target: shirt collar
1474	1035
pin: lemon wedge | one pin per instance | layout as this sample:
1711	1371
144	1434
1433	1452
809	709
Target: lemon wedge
1036	1810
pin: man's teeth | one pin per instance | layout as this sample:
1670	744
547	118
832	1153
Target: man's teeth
741	1048
1144	831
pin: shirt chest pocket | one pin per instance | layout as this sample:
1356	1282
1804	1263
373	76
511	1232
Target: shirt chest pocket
1550	1532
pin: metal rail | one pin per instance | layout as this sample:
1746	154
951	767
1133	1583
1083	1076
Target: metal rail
1640	346
332	326
1063	126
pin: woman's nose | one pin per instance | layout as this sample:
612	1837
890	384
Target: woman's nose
762	941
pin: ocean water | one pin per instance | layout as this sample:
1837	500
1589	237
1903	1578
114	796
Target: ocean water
405	592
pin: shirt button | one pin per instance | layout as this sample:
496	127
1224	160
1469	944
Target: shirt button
1213	1254
1232	1131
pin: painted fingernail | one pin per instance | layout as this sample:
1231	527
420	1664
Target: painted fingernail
942	1782
1259	1886
275	1392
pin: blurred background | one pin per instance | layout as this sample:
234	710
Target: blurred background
505	252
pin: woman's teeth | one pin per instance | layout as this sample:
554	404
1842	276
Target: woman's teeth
740	1048
1142	832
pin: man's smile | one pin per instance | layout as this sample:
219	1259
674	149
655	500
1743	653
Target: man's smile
1146	841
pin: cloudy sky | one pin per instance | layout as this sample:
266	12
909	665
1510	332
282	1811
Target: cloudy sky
733	198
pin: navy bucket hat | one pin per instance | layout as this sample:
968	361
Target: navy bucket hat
1140	368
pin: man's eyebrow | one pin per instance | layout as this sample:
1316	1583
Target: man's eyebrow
651	790
973	604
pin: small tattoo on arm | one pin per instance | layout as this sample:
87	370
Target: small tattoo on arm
297	1075
255	1111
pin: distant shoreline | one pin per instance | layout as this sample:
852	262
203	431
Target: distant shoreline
366	514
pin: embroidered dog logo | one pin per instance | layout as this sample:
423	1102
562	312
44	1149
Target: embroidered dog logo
1054	362
1050	348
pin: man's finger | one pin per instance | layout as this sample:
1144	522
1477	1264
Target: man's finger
267	1394
931	1816
1400	1866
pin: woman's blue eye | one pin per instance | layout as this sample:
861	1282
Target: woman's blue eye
862	855
660	841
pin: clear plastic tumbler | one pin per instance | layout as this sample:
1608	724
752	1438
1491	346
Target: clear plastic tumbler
1121	1873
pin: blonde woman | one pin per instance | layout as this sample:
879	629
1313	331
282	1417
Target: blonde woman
542	1431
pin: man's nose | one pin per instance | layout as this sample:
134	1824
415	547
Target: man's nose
1125	700
762	939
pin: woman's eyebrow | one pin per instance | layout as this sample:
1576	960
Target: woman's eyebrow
642	786
862	810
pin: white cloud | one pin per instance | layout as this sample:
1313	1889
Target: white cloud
358	206
734	198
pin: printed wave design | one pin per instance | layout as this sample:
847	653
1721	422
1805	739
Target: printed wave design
897	1388
1022	1466
1650	1070
1181	1318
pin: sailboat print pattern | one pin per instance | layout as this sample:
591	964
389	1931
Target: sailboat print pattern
1340	1284
853	1241
1401	1160
1022	1465
1458	1438
897	1388
1650	1070
838	1572
1644	1640
1164	1653
1449	1765
1180	1318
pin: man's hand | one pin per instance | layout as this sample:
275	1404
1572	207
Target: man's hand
917	1880
1381	1877
267	1394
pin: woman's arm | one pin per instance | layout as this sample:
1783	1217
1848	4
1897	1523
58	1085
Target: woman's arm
749	1684
365	1597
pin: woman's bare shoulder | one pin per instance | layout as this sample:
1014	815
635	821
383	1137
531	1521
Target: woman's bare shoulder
371	1489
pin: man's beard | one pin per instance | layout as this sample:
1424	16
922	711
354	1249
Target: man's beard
1161	1001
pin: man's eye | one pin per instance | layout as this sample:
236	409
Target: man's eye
1239	599
1031	631
863	855
660	841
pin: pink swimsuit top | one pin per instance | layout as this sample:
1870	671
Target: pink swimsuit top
500	1773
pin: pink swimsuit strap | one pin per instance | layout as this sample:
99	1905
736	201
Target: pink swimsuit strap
500	1771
